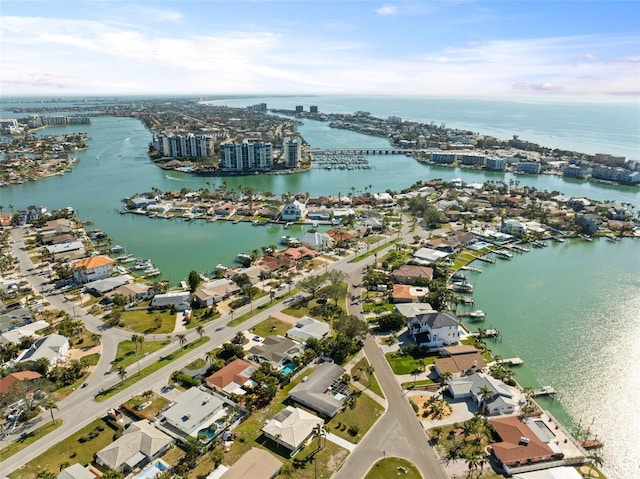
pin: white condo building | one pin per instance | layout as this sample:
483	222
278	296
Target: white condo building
246	156
292	148
184	146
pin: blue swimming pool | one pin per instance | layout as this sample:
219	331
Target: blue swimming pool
152	471
288	369
478	245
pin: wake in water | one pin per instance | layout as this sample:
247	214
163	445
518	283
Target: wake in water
176	179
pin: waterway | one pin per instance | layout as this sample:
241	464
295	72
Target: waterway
570	311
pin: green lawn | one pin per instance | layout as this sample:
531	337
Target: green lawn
70	450
393	467
90	359
362	416
157	404
374	251
144	321
417	384
271	327
159	364
406	364
126	354
30	438
367	380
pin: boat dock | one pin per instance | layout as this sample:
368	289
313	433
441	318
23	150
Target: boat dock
512	361
486	259
471	268
340	160
544	391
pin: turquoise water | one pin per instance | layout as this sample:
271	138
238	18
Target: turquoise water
208	433
152	471
288	369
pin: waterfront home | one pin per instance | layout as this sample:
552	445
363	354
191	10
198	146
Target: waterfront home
139	444
322	214
92	268
317	241
56	227
276	350
496	397
225	210
54	348
6	219
174	299
212	292
233	378
66	247
412	310
512	227
274	263
339	234
434	329
306	328
194	409
410	274
293	211
429	256
459	360
133	292
406	293
322	391
106	285
523	445
291	428
299	253
142	202
254	464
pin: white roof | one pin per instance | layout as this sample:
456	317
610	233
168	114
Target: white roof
192	408
291	427
307	328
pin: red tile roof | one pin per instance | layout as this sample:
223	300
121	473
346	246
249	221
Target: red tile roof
513	450
228	374
93	262
11	379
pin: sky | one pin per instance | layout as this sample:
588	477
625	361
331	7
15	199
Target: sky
505	48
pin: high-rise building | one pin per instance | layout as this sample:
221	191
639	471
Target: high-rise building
299	108
246	156
313	109
184	146
292	148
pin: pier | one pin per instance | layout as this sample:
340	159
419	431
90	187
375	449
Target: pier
360	151
486	259
544	391
471	268
340	160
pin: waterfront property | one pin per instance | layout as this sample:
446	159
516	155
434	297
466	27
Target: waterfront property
434	329
92	268
459	360
488	393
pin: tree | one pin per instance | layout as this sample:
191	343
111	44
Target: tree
46	475
444	378
352	327
182	339
200	330
596	461
194	280
391	322
137	340
51	405
122	373
312	284
485	394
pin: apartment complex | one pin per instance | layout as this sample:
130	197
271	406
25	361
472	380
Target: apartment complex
292	152
246	156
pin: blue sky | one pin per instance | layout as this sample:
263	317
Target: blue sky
585	49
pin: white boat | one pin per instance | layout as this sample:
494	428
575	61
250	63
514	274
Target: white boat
241	257
477	315
142	264
117	249
463	286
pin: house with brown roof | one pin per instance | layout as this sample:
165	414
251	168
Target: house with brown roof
459	360
231	378
92	268
339	234
411	274
405	293
522	443
301	252
254	464
7	382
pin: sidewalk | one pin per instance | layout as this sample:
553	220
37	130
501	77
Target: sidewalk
341	442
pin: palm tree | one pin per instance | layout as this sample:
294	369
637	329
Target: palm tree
147	394
122	373
51	405
485	394
200	330
444	378
182	339
137	340
596	461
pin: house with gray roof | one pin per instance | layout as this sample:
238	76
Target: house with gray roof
503	399
76	471
106	285
139	444
276	350
434	329
176	299
291	428
193	410
14	318
53	347
306	328
322	390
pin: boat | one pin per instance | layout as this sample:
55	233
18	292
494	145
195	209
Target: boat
477	315
611	238
152	272
459	276
463	286
142	264
289	241
288	224
241	257
504	254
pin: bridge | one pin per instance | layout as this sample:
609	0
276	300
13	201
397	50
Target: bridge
360	151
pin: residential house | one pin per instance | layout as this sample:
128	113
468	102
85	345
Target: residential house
193	410
317	241
232	378
339	234
133	291
322	391
299	253
106	285
496	397
254	464
411	274
459	360
53	347
434	329
7	382
512	227
92	268
294	211
306	328
273	263
405	293
76	471
428	255
139	444
174	299
15	318
291	428
276	350
212	292
522	443
412	310
30	330
66	248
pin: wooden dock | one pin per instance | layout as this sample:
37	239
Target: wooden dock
545	391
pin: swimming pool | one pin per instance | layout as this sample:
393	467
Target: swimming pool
152	471
478	245
288	369
208	433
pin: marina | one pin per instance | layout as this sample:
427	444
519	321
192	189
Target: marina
340	160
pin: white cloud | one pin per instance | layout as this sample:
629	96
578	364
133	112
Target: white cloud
387	10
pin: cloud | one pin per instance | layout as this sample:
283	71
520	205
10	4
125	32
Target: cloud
387	10
547	86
